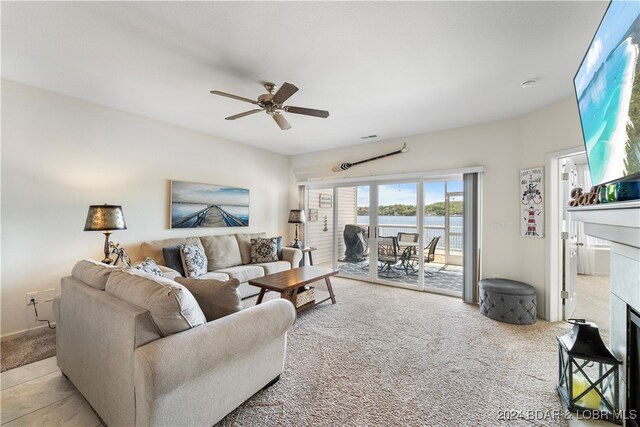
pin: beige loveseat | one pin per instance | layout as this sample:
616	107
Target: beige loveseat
133	371
228	257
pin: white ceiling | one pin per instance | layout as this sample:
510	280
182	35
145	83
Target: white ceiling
393	69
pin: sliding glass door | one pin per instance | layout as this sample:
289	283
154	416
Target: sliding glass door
353	234
397	235
443	236
400	233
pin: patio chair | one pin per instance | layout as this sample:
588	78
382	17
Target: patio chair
387	255
430	253
407	244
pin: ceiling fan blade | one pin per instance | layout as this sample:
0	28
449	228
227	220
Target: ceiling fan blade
239	98
281	121
307	112
285	91
246	113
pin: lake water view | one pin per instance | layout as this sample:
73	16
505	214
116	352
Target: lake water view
387	228
412	220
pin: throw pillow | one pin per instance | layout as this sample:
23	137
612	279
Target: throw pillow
244	242
279	247
171	306
221	251
173	259
149	266
264	250
194	261
216	298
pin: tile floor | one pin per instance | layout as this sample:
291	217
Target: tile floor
38	395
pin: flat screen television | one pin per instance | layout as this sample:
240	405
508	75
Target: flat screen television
607	87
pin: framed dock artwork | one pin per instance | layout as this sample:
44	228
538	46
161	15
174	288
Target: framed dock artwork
195	205
532	202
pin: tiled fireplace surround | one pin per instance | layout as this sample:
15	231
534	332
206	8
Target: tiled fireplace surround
620	224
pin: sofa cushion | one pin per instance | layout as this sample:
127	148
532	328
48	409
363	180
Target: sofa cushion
274	267
173	259
216	275
93	273
172	307
264	249
243	272
194	260
221	251
216	298
149	266
244	243
153	249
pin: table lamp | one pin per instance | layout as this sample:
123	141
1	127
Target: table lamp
105	218
296	216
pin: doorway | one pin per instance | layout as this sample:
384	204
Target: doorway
583	261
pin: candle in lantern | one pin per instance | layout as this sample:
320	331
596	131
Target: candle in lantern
592	399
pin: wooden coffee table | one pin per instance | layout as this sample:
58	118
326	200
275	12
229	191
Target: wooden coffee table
291	280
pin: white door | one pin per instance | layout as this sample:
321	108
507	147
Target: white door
569	176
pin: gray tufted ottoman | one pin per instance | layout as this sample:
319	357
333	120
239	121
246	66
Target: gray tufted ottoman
508	301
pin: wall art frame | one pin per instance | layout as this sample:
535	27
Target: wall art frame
532	202
195	205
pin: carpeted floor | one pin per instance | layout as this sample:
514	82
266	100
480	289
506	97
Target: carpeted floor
390	356
27	349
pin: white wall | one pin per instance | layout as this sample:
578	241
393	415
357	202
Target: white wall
503	148
60	154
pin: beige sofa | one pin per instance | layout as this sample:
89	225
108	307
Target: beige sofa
133	372
228	257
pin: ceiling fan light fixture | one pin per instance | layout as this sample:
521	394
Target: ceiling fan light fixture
273	104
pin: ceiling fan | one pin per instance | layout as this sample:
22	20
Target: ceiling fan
271	103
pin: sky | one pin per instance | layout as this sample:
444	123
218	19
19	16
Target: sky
618	19
189	192
406	194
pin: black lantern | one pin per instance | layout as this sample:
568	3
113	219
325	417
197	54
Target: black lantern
588	373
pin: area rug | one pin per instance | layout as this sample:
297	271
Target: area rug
390	356
27	349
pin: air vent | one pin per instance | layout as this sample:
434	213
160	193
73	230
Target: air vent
369	137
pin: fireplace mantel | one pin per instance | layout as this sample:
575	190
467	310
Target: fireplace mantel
616	222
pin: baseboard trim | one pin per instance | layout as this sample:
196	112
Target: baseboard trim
23	332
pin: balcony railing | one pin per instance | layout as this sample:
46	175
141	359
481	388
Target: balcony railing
430	231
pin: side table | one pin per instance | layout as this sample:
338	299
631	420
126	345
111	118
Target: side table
307	250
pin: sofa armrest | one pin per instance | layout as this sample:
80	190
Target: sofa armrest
168	363
293	255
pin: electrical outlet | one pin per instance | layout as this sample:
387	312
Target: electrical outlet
49	294
30	296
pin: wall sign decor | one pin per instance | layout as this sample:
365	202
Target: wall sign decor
326	200
532	202
578	198
196	205
345	166
313	215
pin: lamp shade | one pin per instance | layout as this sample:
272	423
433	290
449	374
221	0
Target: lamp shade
296	216
104	218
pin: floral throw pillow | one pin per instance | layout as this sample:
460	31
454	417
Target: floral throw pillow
264	249
194	260
149	266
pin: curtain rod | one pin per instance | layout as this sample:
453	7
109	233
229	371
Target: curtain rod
411	175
